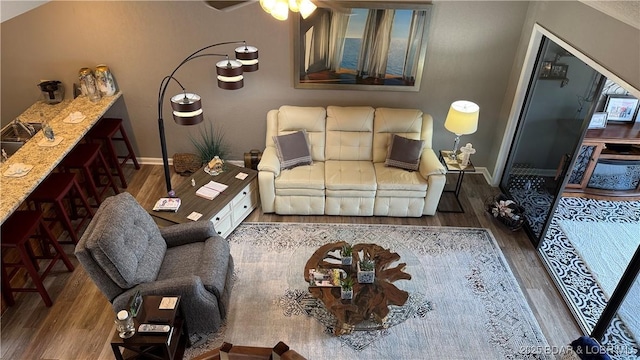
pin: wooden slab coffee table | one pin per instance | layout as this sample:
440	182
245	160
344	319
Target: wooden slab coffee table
370	301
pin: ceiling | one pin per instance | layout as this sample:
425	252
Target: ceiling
626	11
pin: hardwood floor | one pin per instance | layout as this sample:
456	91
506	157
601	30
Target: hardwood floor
79	325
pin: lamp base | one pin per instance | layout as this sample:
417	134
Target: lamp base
454	152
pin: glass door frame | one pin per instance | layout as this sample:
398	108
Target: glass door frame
517	108
543	44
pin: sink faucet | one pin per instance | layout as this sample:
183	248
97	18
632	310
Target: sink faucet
27	127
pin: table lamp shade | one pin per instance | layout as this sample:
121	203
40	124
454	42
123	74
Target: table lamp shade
462	118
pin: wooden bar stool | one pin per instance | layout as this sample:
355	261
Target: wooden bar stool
105	130
53	190
16	232
88	157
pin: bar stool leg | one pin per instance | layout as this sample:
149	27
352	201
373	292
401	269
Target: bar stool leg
35	277
103	161
7	294
132	155
56	245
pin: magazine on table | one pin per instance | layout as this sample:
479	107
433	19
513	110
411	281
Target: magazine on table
167	204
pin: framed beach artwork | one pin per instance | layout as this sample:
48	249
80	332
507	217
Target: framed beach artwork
361	45
621	108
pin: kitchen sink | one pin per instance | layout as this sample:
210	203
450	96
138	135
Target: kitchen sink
14	135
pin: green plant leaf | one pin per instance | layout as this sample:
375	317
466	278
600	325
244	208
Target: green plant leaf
211	143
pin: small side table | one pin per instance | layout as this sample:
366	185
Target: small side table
165	346
455	167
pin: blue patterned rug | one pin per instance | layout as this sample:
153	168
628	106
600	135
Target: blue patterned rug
464	303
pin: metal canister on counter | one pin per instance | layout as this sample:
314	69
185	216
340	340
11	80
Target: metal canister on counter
104	78
88	84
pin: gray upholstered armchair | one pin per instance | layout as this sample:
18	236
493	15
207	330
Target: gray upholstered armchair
124	251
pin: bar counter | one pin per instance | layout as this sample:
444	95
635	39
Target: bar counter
15	190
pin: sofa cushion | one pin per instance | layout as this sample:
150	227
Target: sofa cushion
404	153
302	177
125	241
395	179
407	123
293	149
349	133
208	260
350	175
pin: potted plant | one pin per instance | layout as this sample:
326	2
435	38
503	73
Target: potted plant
346	289
210	144
366	271
346	253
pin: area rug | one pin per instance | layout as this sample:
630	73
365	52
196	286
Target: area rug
607	248
464	301
573	276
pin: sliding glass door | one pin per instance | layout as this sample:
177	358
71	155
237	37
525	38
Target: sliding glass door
559	98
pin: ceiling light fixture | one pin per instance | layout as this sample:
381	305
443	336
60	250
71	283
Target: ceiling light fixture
279	9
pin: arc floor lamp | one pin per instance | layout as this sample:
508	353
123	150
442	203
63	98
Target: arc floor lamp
187	107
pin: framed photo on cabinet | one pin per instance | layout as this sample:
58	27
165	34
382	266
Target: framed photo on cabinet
598	120
621	108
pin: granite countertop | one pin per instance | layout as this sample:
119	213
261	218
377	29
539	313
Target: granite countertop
49	111
14	190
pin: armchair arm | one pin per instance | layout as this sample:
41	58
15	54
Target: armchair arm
430	165
180	234
270	161
186	286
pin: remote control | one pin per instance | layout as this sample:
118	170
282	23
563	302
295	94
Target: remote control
158	320
153	329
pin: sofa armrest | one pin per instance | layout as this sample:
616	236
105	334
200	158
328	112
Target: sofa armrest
269	161
430	165
185	233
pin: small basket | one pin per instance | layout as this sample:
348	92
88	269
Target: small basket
186	164
514	224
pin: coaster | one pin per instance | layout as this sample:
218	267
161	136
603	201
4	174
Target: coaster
74	118
17	170
194	216
46	143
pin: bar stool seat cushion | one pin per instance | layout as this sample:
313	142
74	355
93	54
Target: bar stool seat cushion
125	242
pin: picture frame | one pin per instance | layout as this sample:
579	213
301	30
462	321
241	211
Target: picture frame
545	69
598	120
559	71
331	60
621	108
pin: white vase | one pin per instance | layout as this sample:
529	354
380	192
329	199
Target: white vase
366	277
346	294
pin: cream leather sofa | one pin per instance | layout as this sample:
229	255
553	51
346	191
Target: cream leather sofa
348	176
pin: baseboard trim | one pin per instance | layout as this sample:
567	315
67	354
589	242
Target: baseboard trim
158	161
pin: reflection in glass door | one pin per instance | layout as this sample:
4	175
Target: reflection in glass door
559	99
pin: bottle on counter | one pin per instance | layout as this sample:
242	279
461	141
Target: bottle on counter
46	128
104	78
88	84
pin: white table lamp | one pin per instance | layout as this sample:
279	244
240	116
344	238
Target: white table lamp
462	119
